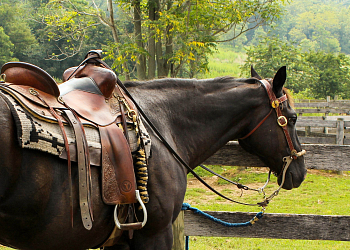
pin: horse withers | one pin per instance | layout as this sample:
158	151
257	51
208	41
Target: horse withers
195	117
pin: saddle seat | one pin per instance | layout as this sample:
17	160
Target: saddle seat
85	97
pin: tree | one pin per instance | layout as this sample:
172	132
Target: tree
160	38
331	74
272	53
15	26
319	73
320	25
6	47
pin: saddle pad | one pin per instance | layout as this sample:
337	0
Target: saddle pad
37	134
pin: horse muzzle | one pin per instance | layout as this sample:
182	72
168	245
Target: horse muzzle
293	172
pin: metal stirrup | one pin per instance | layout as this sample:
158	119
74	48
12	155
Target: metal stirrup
131	226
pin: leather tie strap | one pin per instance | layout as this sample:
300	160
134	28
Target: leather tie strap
83	169
66	144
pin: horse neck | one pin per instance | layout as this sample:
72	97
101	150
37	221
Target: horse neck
197	117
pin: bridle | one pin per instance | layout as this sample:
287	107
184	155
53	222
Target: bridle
282	121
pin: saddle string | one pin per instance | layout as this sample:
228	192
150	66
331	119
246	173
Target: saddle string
72	117
66	144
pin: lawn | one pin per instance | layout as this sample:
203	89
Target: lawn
323	192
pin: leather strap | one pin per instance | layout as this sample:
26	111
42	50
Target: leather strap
125	128
282	120
257	126
83	169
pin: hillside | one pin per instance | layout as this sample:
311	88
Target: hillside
314	24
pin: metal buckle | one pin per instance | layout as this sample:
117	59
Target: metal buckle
2	78
282	121
275	103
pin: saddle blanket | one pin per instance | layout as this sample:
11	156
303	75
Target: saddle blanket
34	133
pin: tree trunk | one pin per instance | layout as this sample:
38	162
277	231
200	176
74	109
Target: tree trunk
140	63
169	46
115	35
159	50
152	42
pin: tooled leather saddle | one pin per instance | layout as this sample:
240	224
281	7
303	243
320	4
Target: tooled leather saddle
88	96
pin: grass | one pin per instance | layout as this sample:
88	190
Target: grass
225	62
322	192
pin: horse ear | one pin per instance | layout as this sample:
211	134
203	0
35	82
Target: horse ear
254	74
279	80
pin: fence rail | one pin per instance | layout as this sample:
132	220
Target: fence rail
330	128
322	157
273	226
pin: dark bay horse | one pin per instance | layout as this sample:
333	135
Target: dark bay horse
196	117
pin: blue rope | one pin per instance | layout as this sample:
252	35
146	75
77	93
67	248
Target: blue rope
186	206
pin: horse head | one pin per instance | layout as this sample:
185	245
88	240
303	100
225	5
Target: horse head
272	134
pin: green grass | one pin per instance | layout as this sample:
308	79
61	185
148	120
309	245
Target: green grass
322	192
225	62
224	243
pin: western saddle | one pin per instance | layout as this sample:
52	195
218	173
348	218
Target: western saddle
89	96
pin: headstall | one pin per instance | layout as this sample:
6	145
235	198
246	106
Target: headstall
282	121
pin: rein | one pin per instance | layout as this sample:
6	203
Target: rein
281	120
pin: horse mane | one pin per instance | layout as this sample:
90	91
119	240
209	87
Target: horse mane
289	96
222	79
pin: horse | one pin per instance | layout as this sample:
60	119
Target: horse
195	117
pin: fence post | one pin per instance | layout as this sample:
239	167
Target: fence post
307	131
340	131
340	136
179	232
325	129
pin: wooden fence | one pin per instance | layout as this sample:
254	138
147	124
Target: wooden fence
323	121
324	137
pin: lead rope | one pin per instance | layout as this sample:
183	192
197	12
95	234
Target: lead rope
186	206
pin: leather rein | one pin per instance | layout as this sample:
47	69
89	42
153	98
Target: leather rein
281	120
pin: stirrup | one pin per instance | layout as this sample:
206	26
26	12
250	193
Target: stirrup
135	225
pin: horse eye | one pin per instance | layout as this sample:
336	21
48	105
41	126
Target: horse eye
292	120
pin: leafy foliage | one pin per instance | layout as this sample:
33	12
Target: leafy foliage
316	25
6	47
272	53
323	74
331	74
15	30
177	35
